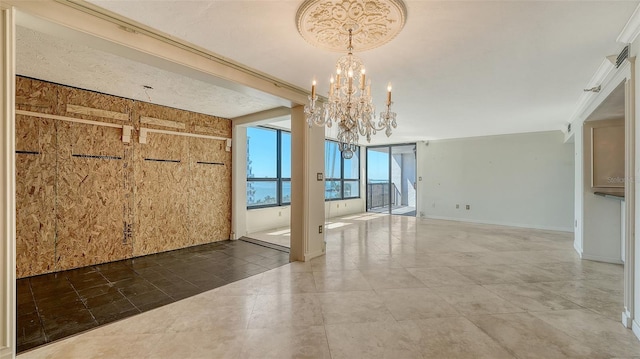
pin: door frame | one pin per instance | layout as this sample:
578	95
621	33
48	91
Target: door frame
366	172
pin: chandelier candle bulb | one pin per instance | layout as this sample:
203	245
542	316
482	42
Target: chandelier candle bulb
313	89
389	94
362	80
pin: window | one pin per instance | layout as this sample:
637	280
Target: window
285	167
342	176
268	167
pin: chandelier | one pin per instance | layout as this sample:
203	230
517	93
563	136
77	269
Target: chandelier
349	105
330	24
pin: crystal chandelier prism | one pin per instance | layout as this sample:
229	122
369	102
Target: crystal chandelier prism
349	104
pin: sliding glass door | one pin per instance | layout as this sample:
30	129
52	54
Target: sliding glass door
391	179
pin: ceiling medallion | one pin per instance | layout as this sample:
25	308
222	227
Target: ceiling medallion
326	23
331	25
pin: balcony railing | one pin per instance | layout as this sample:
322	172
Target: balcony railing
378	195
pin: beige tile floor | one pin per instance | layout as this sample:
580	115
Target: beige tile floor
392	287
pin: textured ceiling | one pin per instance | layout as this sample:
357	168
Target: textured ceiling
458	69
58	60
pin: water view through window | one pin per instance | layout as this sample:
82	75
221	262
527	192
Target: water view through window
269	169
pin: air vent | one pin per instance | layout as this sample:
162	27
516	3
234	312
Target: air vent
624	54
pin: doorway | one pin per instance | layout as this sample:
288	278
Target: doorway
391	179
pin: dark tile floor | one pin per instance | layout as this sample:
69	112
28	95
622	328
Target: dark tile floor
57	305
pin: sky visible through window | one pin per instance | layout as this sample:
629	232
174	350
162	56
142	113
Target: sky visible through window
377	166
262	151
269	186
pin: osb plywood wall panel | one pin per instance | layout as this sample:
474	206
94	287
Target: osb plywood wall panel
91	196
93	100
36	96
35	190
144	109
209	190
161	180
113	200
212	126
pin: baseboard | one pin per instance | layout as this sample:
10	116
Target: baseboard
626	319
6	353
578	249
310	256
500	223
602	259
636	329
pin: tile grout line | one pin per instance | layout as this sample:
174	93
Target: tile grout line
82	301
110	284
33	297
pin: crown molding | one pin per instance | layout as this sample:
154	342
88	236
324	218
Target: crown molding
629	33
631	29
603	72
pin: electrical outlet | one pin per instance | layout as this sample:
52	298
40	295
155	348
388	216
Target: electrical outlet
280	213
468	207
457	206
319	229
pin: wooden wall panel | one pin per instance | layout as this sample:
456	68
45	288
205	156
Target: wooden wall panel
143	109
161	180
36	96
113	200
210	125
209	191
94	100
91	196
35	195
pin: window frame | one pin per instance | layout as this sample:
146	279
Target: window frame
278	179
341	179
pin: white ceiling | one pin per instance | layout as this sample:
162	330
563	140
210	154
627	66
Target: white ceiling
458	69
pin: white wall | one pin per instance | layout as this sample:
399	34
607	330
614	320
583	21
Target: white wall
263	219
524	180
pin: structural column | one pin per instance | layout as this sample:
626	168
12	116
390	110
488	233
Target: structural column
630	197
239	182
307	188
7	210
